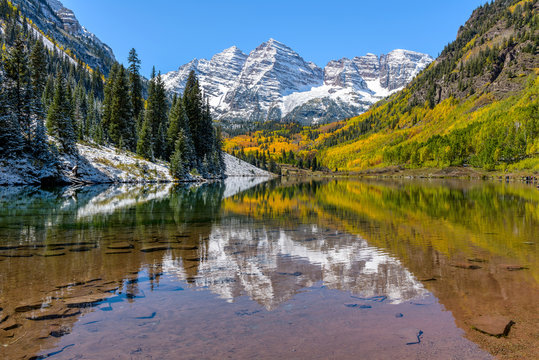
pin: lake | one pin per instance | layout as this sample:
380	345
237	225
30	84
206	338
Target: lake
288	268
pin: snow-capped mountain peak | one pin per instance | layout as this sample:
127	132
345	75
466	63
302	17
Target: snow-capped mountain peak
275	83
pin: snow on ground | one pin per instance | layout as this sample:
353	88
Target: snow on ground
237	167
105	164
22	171
119	167
96	164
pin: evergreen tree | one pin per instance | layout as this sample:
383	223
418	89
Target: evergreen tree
11	142
48	93
179	163
90	116
192	99
144	143
135	84
80	111
19	88
121	124
59	120
174	118
38	75
207	143
217	154
107	101
156	115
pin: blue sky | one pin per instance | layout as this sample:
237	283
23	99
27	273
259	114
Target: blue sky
169	33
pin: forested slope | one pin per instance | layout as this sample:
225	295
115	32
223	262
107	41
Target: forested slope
475	105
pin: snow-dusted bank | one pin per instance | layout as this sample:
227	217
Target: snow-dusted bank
104	164
238	167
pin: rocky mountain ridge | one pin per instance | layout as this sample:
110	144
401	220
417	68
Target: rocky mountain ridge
60	25
274	83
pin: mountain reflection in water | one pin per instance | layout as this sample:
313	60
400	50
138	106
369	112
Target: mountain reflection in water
261	260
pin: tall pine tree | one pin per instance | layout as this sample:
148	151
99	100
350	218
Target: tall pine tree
156	116
59	120
135	84
121	124
19	87
11	142
38	75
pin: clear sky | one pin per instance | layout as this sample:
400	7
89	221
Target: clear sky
169	33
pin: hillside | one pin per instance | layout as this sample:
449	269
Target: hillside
475	105
59	26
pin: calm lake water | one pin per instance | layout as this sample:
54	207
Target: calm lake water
330	269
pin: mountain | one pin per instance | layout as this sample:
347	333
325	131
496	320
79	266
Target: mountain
59	26
476	105
275	83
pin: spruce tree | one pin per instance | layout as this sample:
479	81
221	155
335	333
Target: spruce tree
38	75
135	84
174	126
11	141
121	123
18	86
80	111
157	115
144	143
107	101
48	93
192	99
179	163
59	120
218	155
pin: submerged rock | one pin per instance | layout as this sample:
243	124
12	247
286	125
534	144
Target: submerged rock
493	325
17	255
118	252
120	246
147	249
26	308
513	267
466	266
55	314
52	253
186	247
60	331
81	249
85	301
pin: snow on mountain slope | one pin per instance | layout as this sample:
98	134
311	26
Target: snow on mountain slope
275	83
61	24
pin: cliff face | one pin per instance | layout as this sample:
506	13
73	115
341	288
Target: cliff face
274	83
